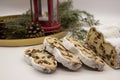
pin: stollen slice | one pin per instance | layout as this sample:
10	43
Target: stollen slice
41	59
62	55
86	55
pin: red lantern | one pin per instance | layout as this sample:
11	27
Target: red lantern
46	14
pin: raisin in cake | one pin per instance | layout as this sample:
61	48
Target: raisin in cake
86	55
106	43
41	59
62	55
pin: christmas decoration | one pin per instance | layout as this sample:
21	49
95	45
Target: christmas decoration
23	26
34	31
46	14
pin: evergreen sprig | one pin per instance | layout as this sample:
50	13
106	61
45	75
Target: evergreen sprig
73	20
16	28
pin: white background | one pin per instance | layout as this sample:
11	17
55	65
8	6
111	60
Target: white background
107	11
13	66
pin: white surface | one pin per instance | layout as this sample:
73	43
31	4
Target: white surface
13	66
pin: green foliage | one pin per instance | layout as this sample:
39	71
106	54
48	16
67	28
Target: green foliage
69	17
22	27
14	32
16	28
73	20
86	18
66	6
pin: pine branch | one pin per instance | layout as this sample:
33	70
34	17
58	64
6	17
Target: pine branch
73	20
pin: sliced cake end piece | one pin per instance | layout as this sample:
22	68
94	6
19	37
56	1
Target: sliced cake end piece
106	44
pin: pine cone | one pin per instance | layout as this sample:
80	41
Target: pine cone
34	31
